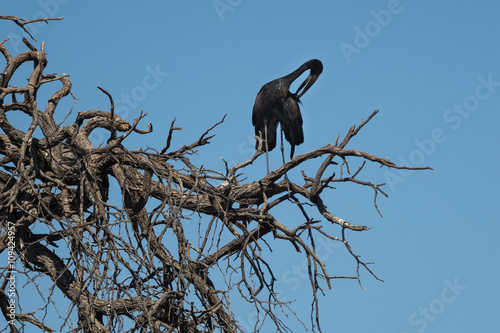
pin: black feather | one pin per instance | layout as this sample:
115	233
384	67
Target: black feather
276	104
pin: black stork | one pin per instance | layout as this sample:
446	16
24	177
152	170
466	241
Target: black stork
276	104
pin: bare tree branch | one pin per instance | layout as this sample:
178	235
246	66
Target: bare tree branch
112	229
21	22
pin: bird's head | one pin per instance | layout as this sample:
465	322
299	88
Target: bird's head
316	68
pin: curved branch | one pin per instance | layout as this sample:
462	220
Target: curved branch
123	220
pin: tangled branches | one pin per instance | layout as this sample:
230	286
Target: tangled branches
111	227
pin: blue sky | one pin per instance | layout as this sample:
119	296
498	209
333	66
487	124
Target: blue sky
432	69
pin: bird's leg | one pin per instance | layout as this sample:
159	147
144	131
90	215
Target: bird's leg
267	148
282	148
283	158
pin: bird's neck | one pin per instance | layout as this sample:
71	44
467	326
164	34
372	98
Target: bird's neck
295	74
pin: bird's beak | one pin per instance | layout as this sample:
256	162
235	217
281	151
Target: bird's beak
306	85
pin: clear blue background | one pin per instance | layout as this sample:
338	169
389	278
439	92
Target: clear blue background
417	66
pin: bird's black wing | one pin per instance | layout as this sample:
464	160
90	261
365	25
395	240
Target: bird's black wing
292	122
264	119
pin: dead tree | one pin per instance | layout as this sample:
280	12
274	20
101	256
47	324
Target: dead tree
133	266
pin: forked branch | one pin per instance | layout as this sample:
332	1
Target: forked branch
112	229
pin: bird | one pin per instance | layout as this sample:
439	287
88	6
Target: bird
276	104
